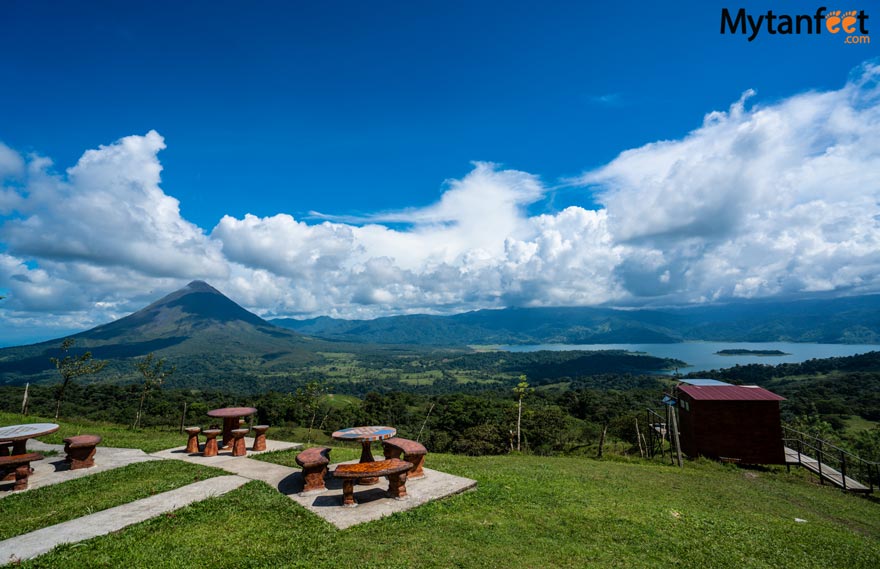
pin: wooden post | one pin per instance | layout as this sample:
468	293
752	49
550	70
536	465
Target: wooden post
639	440
675	433
183	417
24	401
602	441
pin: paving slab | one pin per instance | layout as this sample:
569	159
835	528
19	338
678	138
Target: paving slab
373	503
43	540
179	453
53	469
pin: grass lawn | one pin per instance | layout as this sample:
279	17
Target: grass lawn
28	511
527	512
112	435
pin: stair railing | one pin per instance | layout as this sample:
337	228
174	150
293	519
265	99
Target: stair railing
832	456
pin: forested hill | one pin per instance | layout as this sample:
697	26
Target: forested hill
852	320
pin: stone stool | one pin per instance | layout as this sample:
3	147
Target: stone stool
260	437
314	463
81	451
210	442
192	444
238	446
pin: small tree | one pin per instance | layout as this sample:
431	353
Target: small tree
72	367
309	397
155	373
521	390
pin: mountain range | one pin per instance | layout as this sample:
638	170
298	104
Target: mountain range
214	341
849	320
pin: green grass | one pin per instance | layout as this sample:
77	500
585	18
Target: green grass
336	401
112	435
287	457
42	507
856	423
527	512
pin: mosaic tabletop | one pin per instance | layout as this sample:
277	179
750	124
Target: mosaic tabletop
29	431
365	434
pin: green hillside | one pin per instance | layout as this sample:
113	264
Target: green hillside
526	512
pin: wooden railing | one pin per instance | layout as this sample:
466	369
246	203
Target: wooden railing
829	456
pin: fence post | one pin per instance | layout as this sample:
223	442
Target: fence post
843	468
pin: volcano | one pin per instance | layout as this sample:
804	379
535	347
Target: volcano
197	328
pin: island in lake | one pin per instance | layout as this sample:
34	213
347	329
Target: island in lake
741	352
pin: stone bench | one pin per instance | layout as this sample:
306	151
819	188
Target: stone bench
394	469
21	465
413	452
314	463
80	451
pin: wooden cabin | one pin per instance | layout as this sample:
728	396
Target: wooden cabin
734	422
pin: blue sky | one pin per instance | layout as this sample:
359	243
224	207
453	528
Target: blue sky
372	111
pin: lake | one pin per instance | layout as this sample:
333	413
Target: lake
701	356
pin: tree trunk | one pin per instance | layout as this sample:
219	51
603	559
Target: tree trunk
60	398
518	423
312	424
602	441
137	418
425	422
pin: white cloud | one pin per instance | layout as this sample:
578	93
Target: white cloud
110	211
777	199
760	200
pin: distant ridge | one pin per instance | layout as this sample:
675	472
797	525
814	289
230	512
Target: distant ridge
850	320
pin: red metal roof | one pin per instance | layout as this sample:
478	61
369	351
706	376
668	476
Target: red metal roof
729	393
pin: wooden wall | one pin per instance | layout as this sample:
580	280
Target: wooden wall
750	431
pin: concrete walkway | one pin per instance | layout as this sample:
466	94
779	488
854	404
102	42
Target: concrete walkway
373	502
52	469
43	540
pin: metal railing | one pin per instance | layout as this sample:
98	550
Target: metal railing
829	456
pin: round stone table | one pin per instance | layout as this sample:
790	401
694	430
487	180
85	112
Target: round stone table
19	434
366	436
230	416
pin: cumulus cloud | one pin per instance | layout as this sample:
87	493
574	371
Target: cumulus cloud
110	211
761	199
775	199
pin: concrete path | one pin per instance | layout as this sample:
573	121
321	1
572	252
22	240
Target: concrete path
373	502
41	541
53	469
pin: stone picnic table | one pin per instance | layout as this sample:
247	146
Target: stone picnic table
366	436
231	417
18	435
